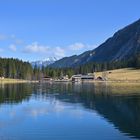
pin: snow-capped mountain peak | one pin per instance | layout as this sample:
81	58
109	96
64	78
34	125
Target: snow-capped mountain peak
45	62
50	59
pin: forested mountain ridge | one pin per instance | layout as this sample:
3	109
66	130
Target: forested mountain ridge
124	44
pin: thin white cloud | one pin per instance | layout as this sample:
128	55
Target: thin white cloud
18	41
58	52
11	38
80	47
48	51
35	48
13	47
91	47
7	37
76	46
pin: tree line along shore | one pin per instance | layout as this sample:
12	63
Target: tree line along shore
14	70
126	75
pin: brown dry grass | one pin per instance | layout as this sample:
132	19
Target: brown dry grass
10	81
127	75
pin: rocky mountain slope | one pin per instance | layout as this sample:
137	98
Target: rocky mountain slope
124	44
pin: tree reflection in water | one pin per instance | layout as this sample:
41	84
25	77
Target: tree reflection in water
119	106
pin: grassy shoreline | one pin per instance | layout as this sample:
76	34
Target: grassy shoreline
120	76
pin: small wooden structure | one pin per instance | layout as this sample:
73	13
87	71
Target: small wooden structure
99	78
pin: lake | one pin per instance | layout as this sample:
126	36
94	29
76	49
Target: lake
66	111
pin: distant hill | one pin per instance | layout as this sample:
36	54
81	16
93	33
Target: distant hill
124	44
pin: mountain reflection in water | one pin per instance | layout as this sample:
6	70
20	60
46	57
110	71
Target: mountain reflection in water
118	106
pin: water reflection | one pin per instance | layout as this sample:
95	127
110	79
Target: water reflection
114	104
14	93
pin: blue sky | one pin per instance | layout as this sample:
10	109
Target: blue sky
38	29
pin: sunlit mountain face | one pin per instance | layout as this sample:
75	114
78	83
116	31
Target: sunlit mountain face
123	45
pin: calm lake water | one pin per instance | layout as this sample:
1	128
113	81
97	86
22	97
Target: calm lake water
65	111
